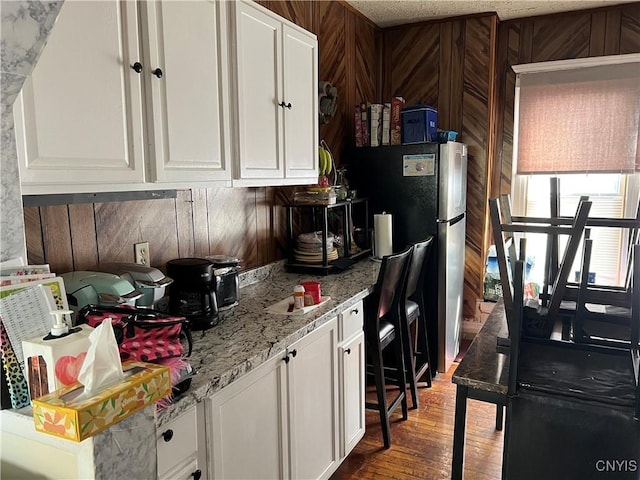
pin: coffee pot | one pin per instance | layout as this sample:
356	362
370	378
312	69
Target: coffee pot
193	292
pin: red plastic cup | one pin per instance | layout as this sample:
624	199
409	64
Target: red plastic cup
313	289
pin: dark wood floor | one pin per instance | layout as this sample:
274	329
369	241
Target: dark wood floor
421	447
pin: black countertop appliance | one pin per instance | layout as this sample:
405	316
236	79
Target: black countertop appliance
193	292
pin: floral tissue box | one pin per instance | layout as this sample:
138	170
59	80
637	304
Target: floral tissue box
61	414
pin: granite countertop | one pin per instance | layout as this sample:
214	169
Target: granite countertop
247	336
482	367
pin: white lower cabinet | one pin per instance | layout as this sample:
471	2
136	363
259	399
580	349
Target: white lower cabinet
352	388
181	447
280	420
351	352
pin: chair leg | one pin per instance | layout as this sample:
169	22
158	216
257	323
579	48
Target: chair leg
409	361
423	360
401	377
378	373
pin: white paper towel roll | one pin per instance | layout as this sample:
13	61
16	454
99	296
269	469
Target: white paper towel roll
382	229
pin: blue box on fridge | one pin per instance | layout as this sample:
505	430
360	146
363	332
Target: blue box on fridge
419	124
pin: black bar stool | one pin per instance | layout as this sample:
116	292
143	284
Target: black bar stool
412	310
382	330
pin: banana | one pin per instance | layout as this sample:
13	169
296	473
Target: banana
322	167
329	163
320	161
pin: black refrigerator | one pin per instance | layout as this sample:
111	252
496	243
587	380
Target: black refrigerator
423	187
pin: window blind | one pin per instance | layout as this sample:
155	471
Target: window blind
579	120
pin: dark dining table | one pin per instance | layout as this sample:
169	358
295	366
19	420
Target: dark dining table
483	374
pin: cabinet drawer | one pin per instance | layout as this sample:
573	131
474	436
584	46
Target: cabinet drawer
187	471
177	440
351	321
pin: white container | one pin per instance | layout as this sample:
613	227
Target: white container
54	363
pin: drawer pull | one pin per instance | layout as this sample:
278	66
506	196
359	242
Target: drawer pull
167	435
158	72
293	352
197	474
355	311
137	67
348	351
286	359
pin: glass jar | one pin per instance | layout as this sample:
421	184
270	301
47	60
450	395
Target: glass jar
342	185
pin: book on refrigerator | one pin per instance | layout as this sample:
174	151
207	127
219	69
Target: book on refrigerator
364	120
375	119
357	119
386	124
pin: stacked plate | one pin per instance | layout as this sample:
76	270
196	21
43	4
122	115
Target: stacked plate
309	248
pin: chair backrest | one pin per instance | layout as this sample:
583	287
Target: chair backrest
416	271
386	295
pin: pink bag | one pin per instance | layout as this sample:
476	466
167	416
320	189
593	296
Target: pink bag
142	334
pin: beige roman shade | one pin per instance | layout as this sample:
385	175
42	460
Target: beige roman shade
579	120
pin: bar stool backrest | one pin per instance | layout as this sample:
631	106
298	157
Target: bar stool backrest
417	271
389	285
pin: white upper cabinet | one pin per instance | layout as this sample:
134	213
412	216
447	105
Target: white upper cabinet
79	117
275	82
185	43
82	121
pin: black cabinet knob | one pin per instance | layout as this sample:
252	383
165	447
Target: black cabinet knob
293	352
348	351
137	67
285	105
286	359
355	311
197	474
157	72
167	435
288	105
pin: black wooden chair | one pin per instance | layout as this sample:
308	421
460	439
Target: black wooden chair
604	314
569	405
413	316
382	330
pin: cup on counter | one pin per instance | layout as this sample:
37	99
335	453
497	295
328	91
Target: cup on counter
312	288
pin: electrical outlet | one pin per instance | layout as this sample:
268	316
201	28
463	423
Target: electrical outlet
141	251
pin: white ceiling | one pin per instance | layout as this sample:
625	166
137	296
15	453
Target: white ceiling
386	13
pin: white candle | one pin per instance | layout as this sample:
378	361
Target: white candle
382	226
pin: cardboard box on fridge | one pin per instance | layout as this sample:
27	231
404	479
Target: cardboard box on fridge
66	414
397	104
54	363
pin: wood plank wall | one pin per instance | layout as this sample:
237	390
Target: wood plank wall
246	222
449	65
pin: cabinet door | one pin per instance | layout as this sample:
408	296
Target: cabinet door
300	66
247	425
353	382
313	404
186	40
259	91
78	119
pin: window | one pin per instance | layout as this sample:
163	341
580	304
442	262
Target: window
578	120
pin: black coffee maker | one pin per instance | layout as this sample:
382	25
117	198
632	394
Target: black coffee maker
193	292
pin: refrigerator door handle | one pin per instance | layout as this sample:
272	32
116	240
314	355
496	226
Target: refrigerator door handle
451	221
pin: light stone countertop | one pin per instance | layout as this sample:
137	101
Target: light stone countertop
247	336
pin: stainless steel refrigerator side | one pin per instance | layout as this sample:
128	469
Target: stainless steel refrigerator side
452	201
451	245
